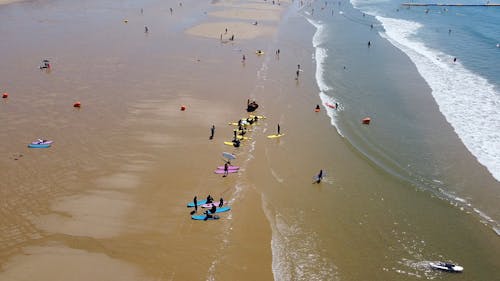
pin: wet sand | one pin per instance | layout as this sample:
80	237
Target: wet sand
108	200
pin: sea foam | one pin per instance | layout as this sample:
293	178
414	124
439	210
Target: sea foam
468	101
320	56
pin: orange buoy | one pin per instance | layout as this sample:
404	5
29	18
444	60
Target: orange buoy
183	107
5	95
77	104
366	120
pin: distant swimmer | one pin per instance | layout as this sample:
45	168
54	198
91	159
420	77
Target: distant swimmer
45	64
371	26
369	44
454	59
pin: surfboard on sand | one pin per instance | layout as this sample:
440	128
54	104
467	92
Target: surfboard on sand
203	217
230	143
275	136
228	155
198	203
220	172
228	167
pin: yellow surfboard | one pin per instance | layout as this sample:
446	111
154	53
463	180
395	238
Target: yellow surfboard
275	136
243	138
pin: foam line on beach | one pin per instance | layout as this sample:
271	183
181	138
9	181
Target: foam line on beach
296	258
468	101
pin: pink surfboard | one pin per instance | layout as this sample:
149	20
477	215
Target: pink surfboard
222	171
229	168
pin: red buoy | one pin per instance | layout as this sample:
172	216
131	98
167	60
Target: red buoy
5	95
77	104
366	120
183	107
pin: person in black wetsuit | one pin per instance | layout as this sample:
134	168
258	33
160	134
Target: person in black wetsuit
221	202
213	209
209	199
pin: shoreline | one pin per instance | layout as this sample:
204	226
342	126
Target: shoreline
112	190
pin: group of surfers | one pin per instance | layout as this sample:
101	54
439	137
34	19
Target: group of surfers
210	200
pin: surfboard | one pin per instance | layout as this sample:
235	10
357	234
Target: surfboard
229	168
41	145
275	136
228	155
230	143
243	138
198	203
202	217
222	209
210	205
220	172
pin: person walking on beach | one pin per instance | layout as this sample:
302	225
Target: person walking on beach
319	177
212	132
279	129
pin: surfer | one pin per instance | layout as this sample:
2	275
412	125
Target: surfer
45	64
226	169
454	59
317	108
235	132
146	29
297	72
319	177
212	132
213	209
207	215
221	202
195	201
369	44
209	199
236	143
279	128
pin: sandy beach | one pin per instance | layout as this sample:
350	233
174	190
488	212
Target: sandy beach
107	201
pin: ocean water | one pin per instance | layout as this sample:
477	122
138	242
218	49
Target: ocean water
455	52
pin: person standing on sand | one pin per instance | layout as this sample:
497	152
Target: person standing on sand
226	170
298	72
279	129
195	201
212	132
221	202
146	29
243	59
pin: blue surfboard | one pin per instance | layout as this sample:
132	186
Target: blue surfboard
202	217
41	145
200	202
223	209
